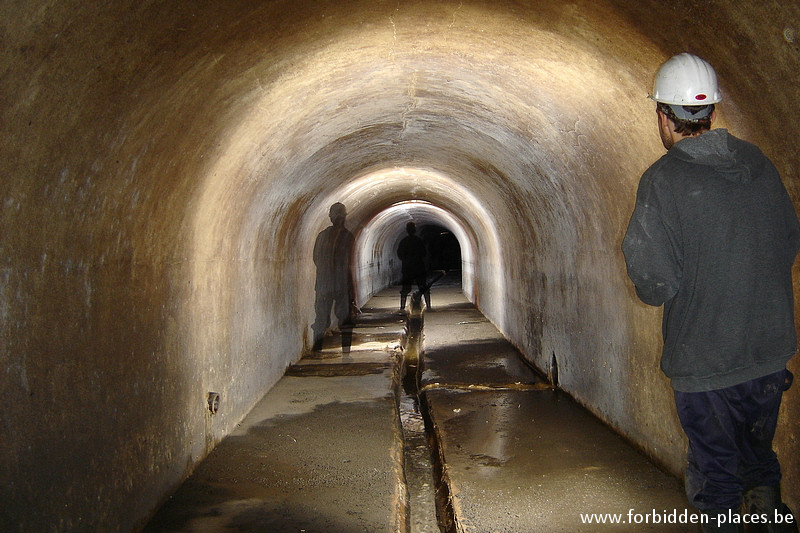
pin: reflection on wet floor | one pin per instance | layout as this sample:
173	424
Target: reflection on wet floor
519	454
418	428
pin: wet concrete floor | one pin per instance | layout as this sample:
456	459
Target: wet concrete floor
470	440
322	452
519	455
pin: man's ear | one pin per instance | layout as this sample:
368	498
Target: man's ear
664	121
661	117
713	116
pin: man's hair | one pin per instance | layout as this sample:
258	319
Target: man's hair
689	126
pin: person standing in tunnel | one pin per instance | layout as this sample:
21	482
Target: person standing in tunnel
412	252
712	238
334	284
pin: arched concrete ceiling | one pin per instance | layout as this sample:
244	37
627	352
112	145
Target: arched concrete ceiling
507	105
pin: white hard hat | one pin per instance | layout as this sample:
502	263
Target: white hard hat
686	79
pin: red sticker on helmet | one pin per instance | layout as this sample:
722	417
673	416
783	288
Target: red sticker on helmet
700	97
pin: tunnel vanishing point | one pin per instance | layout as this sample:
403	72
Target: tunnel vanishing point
166	167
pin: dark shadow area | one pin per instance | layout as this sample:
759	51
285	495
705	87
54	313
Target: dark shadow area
333	252
552	375
443	247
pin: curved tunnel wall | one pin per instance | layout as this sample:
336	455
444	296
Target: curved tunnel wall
376	249
167	166
426	191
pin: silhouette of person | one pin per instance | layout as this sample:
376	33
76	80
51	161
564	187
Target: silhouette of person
334	285
412	252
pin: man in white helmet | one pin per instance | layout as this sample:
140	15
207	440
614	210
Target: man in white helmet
713	238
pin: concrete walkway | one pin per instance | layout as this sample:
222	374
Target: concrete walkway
323	451
519	456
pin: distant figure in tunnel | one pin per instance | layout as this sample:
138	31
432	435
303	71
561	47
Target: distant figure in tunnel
333	251
713	237
412	252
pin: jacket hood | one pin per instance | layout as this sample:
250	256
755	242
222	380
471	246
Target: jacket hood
716	149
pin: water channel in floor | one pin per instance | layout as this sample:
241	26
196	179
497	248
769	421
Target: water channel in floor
425	516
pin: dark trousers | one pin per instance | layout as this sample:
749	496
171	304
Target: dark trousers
420	279
409	280
730	435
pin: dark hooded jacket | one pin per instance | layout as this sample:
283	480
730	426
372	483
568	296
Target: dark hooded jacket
713	238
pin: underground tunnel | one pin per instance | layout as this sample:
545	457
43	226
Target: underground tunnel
168	165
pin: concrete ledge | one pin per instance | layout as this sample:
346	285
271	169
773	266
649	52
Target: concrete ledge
353	364
516	455
534	461
321	452
316	454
